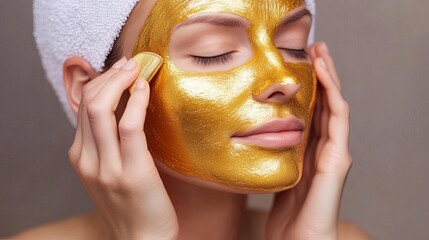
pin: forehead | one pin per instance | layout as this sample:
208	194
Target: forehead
165	15
180	10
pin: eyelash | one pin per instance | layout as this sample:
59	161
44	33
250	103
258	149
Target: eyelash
300	54
226	57
206	61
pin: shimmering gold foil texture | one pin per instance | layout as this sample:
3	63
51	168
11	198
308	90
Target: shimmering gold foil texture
192	116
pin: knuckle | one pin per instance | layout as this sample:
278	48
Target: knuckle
85	172
344	107
95	110
86	167
350	161
127	185
128	127
346	165
107	181
118	184
73	154
124	185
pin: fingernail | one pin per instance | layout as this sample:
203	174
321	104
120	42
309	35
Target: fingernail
130	65
140	84
325	48
120	63
323	64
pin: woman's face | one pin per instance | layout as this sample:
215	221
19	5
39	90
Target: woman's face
233	102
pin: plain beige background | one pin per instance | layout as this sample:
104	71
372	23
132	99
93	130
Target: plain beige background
381	48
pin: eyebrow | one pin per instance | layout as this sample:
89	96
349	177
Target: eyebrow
231	21
296	17
216	19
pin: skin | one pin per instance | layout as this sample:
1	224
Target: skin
136	201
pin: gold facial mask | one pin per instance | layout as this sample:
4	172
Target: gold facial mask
192	116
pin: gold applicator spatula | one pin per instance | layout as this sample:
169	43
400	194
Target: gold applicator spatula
149	64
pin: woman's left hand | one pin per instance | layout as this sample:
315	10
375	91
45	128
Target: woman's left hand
310	210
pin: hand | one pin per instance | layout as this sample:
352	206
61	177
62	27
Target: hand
310	210
113	161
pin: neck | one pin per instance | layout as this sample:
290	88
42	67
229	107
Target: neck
205	213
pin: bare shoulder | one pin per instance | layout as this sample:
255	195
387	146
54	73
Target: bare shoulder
89	226
253	227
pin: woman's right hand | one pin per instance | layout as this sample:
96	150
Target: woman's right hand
113	160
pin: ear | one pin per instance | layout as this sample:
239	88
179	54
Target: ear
77	72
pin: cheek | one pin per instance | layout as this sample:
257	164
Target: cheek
197	111
197	104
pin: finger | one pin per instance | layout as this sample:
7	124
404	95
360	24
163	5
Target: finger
103	121
92	86
318	113
312	52
320	50
133	140
81	154
335	99
83	130
96	84
325	115
323	52
88	163
324	126
76	147
338	107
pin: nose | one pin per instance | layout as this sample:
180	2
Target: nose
278	93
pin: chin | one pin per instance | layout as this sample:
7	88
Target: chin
272	185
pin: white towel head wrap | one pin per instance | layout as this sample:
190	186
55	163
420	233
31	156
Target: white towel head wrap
85	28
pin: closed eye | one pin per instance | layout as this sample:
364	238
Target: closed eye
213	60
300	54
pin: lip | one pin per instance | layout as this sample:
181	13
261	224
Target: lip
274	134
